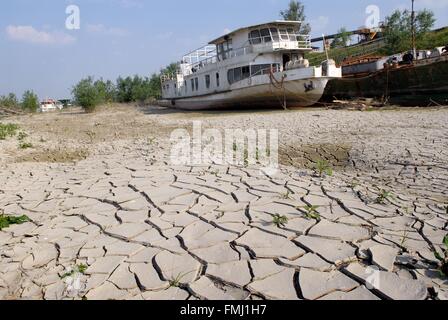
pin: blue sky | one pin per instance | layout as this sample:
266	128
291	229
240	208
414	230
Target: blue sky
126	37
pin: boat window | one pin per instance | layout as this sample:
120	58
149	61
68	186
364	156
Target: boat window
196	81
237	74
245	72
274	33
254	37
292	36
284	34
266	35
217	79
230	44
276	67
192	84
207	81
230	76
220	49
260	69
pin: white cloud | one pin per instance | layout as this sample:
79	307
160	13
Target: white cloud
103	30
29	34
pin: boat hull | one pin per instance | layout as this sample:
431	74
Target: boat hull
258	93
424	83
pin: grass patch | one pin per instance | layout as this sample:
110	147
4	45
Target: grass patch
8	130
6	221
25	145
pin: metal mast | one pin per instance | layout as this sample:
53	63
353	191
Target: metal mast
414	45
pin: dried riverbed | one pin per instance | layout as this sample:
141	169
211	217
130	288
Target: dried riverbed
103	196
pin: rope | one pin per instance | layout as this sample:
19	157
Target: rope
279	85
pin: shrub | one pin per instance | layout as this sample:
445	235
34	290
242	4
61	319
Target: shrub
8	130
106	91
9	101
87	95
30	101
124	89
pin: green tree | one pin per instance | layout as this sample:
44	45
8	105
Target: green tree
124	89
30	101
342	39
9	101
155	84
140	89
87	94
171	69
398	29
110	92
296	12
106	91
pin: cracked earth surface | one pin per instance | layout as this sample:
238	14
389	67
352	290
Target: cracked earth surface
146	229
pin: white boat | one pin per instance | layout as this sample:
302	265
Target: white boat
50	105
257	66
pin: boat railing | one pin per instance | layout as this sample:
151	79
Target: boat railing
300	41
199	58
204	55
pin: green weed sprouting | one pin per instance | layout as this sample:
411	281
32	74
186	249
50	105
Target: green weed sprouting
384	196
6	221
280	221
322	167
311	212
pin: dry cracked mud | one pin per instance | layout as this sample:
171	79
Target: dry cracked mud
146	229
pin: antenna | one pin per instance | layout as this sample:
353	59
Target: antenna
414	46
